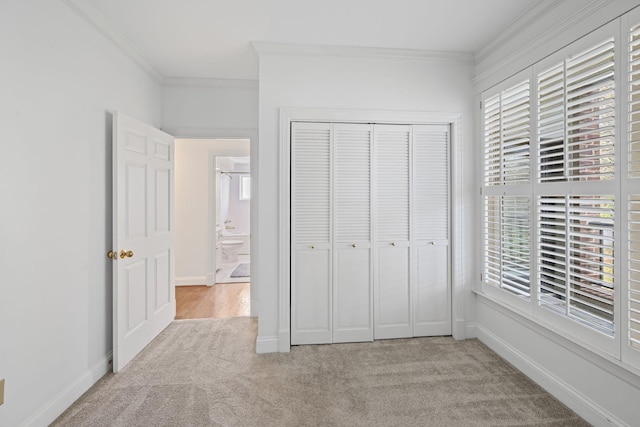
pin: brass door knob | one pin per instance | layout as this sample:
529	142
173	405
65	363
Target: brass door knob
112	255
127	254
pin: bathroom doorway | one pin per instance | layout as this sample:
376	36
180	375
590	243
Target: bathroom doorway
213	228
233	225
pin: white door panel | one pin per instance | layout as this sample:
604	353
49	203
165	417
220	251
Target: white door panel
392	299
352	314
431	297
311	296
143	288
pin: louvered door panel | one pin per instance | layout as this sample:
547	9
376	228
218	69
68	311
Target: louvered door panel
430	183
352	183
311	292
311	183
392	314
430	232
352	284
391	144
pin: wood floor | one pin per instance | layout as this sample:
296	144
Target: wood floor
213	302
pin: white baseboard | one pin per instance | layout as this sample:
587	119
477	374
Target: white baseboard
254	308
191	280
266	345
471	330
56	406
586	408
210	279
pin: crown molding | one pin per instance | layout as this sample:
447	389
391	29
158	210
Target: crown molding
294	49
209	82
87	11
526	20
545	38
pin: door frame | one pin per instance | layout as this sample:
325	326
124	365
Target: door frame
252	136
289	115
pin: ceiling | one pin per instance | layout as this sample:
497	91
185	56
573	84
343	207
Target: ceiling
212	38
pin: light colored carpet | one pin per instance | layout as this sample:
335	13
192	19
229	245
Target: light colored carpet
206	373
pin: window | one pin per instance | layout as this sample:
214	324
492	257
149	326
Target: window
551	192
245	187
506	170
575	139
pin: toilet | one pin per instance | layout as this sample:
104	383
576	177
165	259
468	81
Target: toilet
230	250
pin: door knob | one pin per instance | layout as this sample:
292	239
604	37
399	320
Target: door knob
112	255
127	254
354	245
393	243
313	246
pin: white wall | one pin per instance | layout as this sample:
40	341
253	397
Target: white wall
599	389
343	82
210	108
60	81
192	209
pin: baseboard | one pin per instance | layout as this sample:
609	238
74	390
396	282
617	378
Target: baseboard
63	400
210	279
471	330
586	408
191	280
266	345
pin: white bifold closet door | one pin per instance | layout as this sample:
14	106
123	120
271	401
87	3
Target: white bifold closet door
370	226
352	279
392	170
431	292
311	211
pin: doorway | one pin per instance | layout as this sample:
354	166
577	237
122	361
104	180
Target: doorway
212	267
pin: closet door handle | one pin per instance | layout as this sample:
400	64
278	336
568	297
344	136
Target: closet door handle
313	246
393	243
354	245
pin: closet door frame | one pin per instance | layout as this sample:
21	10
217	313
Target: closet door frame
289	115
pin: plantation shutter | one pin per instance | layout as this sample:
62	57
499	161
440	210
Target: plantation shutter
575	236
507	134
633	219
506	213
576	117
506	242
576	267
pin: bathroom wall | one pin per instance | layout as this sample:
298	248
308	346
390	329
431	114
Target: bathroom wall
193	212
239	211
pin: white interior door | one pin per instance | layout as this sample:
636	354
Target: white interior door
431	293
352	279
392	200
311	293
143	244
